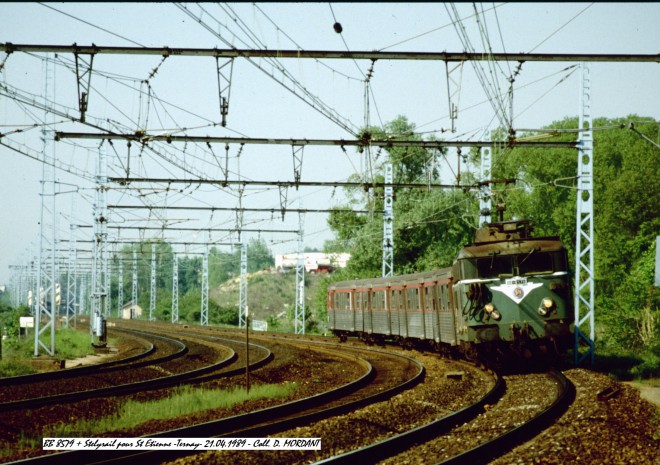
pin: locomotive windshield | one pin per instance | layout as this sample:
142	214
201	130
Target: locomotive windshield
497	265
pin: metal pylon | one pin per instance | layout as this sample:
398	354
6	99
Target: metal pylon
388	223
152	288
46	312
82	309
243	289
204	315
99	251
120	289
71	277
134	289
299	314
175	289
584	237
485	191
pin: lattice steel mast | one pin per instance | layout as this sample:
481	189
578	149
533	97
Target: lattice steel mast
175	288
299	313
243	289
204	315
584	240
152	287
388	223
45	313
485	191
100	255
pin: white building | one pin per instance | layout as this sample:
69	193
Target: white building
315	262
131	311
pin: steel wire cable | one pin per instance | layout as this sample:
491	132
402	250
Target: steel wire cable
313	101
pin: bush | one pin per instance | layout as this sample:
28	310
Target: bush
14	368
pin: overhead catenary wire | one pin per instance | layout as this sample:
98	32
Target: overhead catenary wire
311	99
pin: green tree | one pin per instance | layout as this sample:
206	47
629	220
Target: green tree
425	233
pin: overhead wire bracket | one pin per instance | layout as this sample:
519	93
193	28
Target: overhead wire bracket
283	195
83	79
454	91
225	71
297	162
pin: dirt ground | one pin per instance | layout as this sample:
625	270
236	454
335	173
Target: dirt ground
88	360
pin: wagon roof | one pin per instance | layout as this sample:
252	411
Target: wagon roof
427	276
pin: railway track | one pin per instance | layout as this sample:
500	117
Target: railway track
516	417
300	417
47	387
384	375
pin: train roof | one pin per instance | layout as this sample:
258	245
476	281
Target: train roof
427	276
508	237
543	244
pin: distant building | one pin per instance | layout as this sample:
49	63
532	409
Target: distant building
131	311
315	262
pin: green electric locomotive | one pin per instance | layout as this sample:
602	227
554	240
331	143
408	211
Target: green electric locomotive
507	293
513	291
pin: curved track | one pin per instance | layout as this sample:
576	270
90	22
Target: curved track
150	349
493	448
374	385
114	389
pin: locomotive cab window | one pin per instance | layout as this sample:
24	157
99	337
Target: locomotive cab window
497	265
535	263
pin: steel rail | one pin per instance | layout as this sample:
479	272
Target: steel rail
396	444
95	368
255	424
129	388
486	452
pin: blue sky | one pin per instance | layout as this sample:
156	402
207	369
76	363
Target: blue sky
183	93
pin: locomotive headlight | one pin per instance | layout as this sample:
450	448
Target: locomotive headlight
490	309
547	305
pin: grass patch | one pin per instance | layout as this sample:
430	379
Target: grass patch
70	343
625	365
14	368
16	354
184	401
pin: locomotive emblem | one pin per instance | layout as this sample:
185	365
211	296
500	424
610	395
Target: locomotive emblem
516	289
